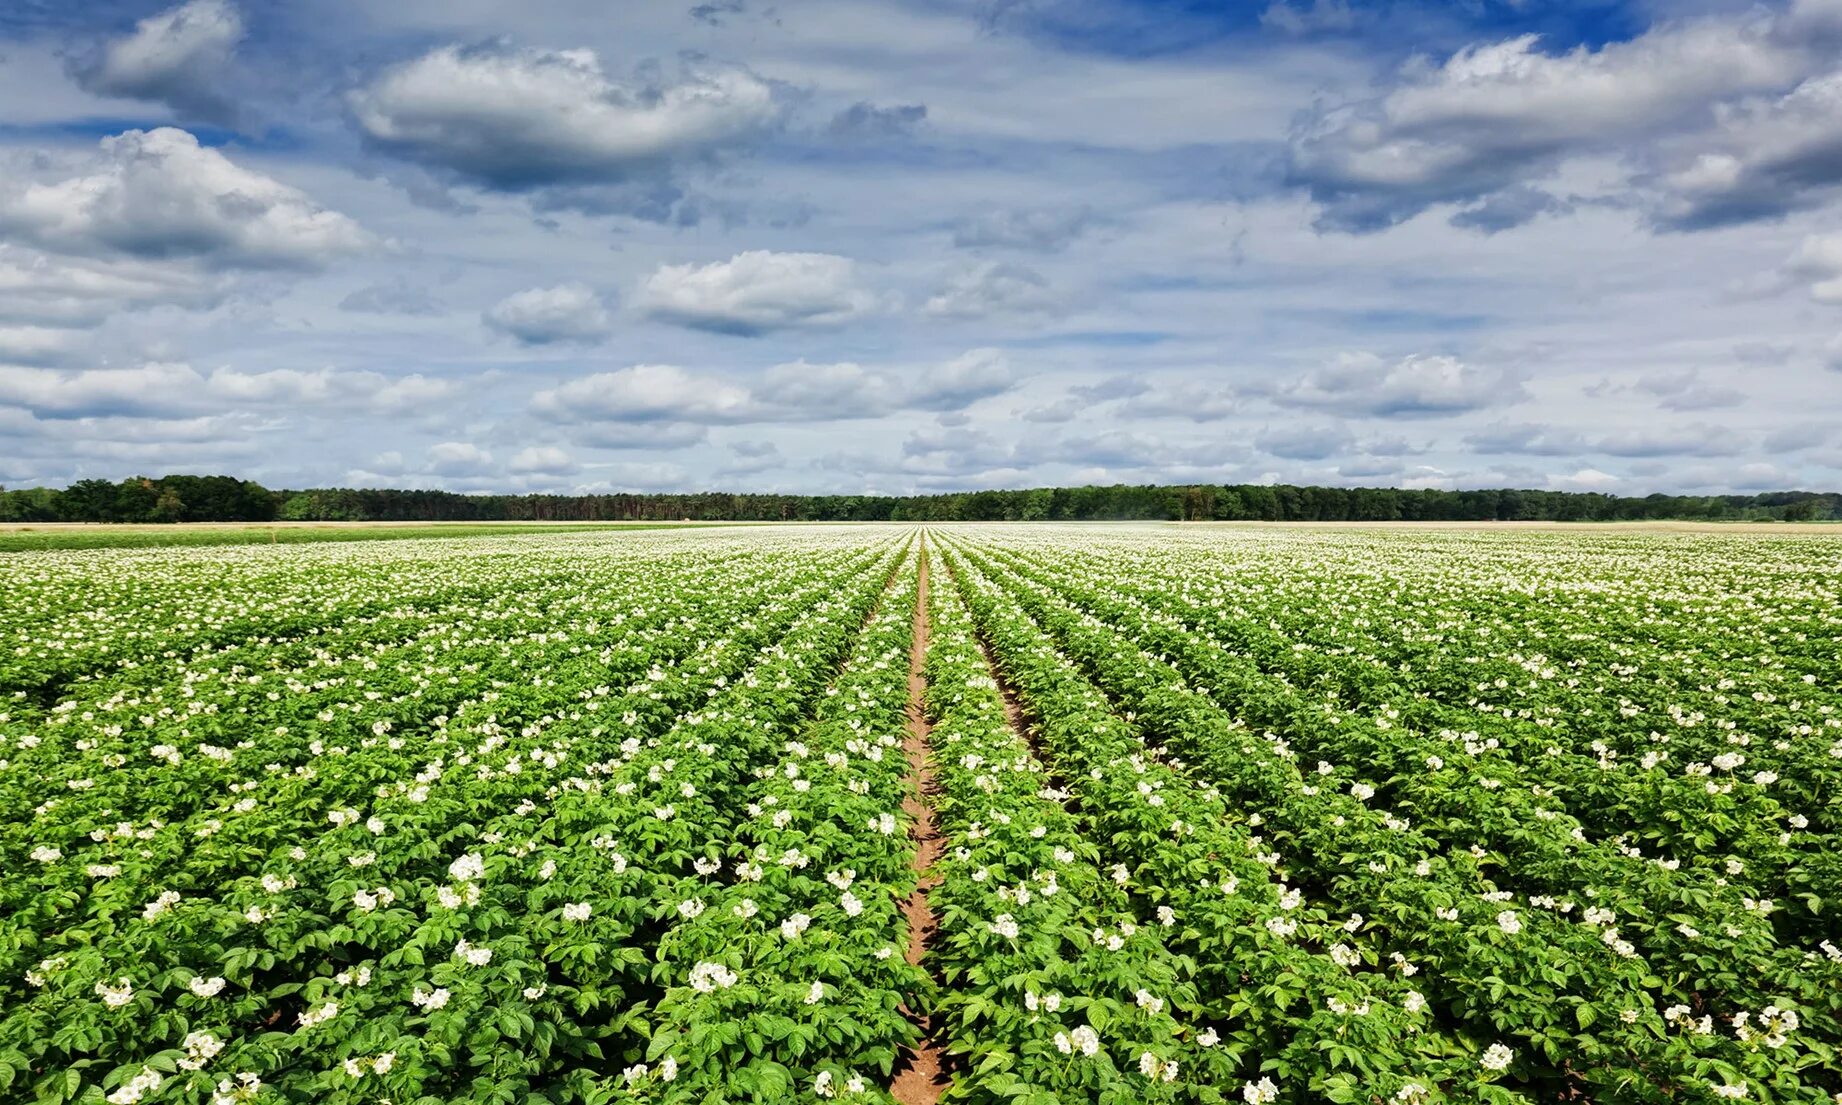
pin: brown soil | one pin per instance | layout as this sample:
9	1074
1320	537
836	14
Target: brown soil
923	1076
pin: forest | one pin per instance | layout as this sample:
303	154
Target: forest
184	498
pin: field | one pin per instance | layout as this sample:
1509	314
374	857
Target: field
44	536
1025	814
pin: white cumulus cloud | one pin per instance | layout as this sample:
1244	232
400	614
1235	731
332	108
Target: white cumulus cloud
174	57
757	291
159	194
540	316
525	118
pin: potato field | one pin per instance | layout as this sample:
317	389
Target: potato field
1027	814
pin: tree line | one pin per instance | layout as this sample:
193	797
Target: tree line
228	499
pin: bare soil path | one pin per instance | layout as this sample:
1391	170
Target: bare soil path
921	1080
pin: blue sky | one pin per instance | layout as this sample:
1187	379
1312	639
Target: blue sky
887	246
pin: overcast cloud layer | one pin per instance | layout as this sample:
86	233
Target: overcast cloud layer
896	246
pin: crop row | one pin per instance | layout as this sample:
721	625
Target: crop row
1553	972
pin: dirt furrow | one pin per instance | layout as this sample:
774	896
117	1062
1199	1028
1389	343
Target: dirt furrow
922	1078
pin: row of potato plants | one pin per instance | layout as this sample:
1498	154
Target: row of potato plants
1041	955
1523	971
784	970
350	946
1279	1001
1701	923
1681	713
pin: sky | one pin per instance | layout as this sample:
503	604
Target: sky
893	247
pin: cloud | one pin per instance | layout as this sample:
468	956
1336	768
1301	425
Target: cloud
1035	231
542	316
1526	438
159	195
1494	116
786	393
1319	16
397	297
1690	440
34	345
866	121
1684	391
1194	400
1585	479
994	288
756	292
149	389
800	390
458	458
645	393
1818	261
1508	209
1304	442
1113	387
1766	158
1063	409
1362	384
519	119
541	460
80	292
1800	436
973	375
168	388
652	436
356	389
176	57
1695	440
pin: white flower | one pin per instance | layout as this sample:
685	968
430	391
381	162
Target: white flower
1414	1001
852	907
45	853
319	1014
117	995
816	994
1496	1057
691	908
1262	1092
166	901
1005	925
142	1084
428	1000
200	1048
206	987
707	977
1086	1040
792	927
476	956
577	911
1208	1037
1509	922
467	868
1145	1000
1733	1090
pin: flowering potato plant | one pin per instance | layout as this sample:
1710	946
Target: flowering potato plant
1221	816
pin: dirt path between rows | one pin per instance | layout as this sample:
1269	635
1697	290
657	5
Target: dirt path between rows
922	1079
